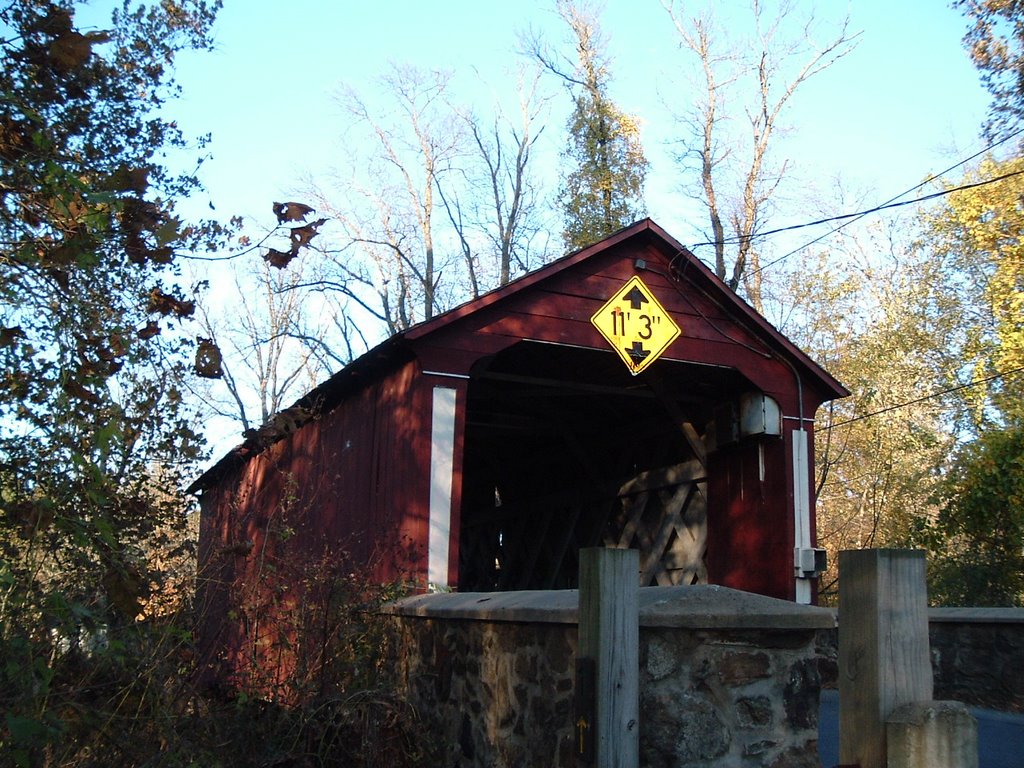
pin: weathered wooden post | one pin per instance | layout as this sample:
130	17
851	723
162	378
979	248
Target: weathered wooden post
932	734
609	643
883	647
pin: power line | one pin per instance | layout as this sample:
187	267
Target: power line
931	178
866	212
924	398
893	202
858	216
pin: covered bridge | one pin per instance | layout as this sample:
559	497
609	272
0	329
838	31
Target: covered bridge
621	396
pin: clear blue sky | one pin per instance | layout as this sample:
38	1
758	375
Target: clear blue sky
905	103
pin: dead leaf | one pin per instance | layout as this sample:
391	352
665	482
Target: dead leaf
70	51
15	138
79	392
61	278
302	235
125	588
17	383
35	516
291	212
278	258
150	330
117	344
283	423
290	419
90	368
9	335
126	179
164	255
208	359
135	248
139	215
166	304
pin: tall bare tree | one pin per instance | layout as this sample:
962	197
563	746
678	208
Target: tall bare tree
603	187
440	205
270	352
746	81
388	208
496	212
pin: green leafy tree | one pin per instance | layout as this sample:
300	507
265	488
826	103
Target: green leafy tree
872	310
995	42
976	541
603	187
979	534
94	428
980	232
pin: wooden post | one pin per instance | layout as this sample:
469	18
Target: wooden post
609	633
883	647
932	734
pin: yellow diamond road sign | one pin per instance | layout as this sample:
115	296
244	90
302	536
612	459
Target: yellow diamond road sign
636	325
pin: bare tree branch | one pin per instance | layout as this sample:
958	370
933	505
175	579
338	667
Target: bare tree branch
749	72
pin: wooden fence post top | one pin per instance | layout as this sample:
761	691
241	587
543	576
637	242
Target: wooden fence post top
883	646
879	554
609	633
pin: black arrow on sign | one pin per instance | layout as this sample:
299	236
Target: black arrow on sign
637	352
636	298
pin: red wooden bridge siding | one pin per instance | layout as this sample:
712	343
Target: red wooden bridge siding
541	407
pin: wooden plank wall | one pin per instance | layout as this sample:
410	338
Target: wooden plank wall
559	310
345	490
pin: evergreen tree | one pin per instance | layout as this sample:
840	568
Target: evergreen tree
606	167
604	190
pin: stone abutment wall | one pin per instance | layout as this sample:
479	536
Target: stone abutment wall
977	656
726	678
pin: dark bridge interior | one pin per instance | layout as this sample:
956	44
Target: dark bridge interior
552	435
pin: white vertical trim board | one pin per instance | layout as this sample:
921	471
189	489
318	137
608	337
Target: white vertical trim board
801	508
442	462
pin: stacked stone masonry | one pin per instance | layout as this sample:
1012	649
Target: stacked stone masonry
726	678
977	656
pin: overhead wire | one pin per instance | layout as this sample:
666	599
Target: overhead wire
867	211
851	218
890	203
924	398
893	202
854	217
